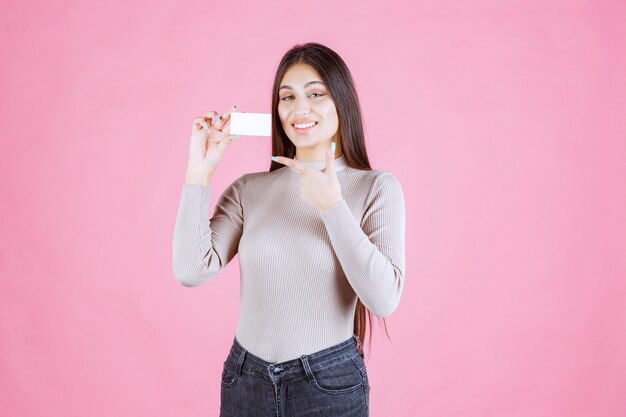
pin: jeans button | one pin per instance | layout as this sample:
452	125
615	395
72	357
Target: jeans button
278	370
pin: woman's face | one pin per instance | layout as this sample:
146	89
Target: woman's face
303	98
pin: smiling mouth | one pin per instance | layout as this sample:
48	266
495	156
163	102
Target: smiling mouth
304	129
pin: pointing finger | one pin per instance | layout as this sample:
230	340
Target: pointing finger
304	169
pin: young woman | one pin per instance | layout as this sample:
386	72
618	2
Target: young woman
320	238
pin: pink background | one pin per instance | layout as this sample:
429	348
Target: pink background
503	120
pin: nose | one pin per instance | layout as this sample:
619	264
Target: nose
302	107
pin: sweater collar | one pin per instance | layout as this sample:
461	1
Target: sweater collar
339	163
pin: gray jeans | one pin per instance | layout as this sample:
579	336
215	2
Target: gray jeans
330	382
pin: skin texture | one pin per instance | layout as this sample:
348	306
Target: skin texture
319	188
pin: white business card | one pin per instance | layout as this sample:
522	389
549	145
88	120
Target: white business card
251	124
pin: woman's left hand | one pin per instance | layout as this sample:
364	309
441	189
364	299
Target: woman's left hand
319	188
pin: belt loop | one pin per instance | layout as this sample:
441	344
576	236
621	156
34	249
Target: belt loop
307	368
242	356
362	353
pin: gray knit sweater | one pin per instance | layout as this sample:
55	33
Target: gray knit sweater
301	270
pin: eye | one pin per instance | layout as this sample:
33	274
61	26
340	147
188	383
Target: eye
316	94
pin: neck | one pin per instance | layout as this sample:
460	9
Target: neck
339	163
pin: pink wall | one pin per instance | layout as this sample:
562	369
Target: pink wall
504	121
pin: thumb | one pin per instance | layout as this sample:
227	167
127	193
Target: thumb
330	158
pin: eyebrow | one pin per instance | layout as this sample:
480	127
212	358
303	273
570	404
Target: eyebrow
305	85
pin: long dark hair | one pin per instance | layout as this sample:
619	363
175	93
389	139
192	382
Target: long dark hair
338	80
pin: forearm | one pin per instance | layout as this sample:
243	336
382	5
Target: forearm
192	238
376	278
198	178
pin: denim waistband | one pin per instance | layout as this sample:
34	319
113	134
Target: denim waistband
241	359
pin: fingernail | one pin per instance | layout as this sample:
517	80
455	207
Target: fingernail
274	158
217	116
332	147
235	137
206	126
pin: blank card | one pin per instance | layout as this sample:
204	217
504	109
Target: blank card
251	124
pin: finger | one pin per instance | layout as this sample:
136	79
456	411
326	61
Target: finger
220	120
226	117
226	130
330	158
304	169
213	116
220	127
224	134
200	123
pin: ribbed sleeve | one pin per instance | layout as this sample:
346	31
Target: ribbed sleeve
202	247
301	270
372	255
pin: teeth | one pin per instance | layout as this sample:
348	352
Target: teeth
304	125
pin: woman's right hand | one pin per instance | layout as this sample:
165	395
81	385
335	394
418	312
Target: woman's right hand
208	142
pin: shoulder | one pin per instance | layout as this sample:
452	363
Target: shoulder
379	176
385	188
257	177
257	180
387	179
374	181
